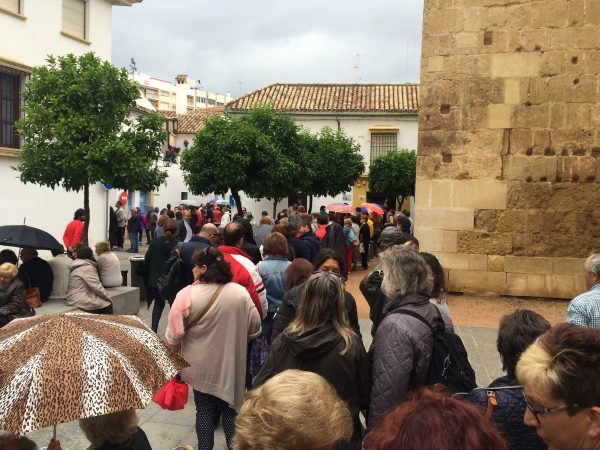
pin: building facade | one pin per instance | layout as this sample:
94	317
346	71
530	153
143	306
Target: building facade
508	179
30	30
163	94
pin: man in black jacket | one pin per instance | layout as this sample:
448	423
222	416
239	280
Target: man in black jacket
36	273
208	237
336	240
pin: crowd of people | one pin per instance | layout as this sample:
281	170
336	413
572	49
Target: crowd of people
275	348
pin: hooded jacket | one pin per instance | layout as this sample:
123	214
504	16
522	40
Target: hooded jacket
85	291
313	244
401	353
318	351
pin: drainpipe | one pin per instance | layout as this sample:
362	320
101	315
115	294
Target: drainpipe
338	122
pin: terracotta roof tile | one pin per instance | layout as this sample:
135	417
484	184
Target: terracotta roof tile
193	121
393	98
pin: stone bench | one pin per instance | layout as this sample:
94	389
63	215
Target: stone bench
126	300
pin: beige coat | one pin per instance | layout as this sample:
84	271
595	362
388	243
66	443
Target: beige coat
109	269
216	346
85	290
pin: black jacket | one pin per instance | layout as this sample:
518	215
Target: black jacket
289	305
37	273
335	239
313	245
187	249
508	413
319	351
138	441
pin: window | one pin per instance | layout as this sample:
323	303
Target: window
13	6
73	18
184	196
10	106
164	105
382	143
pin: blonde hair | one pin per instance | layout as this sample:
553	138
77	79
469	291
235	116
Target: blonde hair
102	247
265	220
322	300
113	428
8	270
294	410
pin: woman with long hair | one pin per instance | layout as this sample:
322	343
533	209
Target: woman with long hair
211	322
159	251
320	340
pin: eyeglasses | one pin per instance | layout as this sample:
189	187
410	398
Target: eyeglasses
536	412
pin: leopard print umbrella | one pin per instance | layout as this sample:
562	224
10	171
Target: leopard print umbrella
59	368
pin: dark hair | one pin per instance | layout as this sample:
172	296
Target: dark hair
8	256
217	269
11	442
439	280
298	272
517	331
275	245
232	233
79	214
84	252
404	223
264	213
323	219
327	253
170	213
433	420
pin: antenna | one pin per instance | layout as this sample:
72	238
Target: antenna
132	66
356	66
240	84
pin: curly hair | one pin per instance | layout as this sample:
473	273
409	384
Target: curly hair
217	269
294	410
405	272
434	421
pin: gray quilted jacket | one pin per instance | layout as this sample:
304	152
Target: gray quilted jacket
400	353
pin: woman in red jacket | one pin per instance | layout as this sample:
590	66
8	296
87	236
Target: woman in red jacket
74	231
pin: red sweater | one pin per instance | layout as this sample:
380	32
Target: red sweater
73	233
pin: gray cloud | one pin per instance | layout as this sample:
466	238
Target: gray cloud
259	42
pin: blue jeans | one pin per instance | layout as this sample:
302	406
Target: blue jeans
135	240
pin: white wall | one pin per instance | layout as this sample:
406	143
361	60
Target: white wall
29	41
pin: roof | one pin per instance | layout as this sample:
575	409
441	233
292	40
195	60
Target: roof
166	114
193	121
372	98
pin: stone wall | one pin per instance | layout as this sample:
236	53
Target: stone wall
509	143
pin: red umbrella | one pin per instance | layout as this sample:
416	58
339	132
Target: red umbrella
340	208
373	207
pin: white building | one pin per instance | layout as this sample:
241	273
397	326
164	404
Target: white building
29	31
165	95
380	117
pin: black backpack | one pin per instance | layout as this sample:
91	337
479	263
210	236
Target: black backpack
449	361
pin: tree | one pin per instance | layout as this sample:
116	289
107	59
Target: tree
334	164
221	157
394	174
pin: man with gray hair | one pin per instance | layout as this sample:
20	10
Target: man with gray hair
584	310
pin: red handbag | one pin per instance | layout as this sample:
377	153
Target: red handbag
173	395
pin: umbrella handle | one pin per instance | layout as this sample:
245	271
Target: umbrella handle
54	432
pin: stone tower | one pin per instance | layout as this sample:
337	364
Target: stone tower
508	189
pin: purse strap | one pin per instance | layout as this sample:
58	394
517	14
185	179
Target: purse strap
210	303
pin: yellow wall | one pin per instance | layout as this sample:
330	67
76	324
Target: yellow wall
359	191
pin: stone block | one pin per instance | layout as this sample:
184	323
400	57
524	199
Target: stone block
495	263
486	220
513	221
521	264
466	42
525	195
444	20
513	65
450	242
469	281
482	242
435	63
499	116
564	286
512	91
125	300
445	218
568	266
434	240
526	285
420	233
475	19
592	14
530	116
452	260
529	168
520	141
479	194
478	262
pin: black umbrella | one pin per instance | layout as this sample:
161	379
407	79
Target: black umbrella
26	236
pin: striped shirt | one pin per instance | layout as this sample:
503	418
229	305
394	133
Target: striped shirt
584	310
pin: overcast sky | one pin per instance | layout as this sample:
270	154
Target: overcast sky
243	45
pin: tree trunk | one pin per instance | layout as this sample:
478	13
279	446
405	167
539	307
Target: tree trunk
238	201
275	207
310	199
86	208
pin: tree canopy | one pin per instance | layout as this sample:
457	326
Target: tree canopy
267	155
394	174
77	129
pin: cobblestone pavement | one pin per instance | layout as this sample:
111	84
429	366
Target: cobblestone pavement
475	319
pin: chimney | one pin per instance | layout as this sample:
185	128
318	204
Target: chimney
181	93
